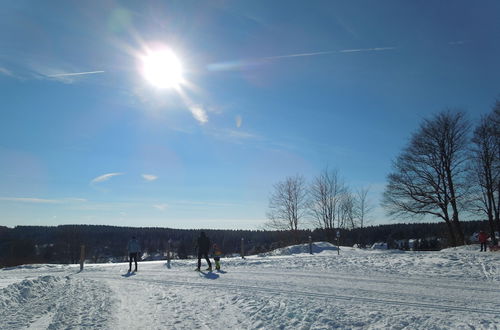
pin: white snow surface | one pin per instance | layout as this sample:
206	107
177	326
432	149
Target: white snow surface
285	289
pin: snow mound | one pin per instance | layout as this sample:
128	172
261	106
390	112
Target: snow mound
56	302
463	248
32	266
379	246
317	247
19	293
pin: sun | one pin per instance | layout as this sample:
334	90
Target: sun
162	68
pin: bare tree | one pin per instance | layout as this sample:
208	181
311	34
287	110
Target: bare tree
362	210
428	177
288	205
486	170
346	218
495	118
326	193
363	206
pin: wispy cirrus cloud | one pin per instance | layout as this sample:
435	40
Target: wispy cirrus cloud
458	42
30	200
233	135
74	199
42	200
198	111
161	207
105	177
6	72
149	177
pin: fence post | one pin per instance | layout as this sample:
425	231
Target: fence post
82	256
242	248
310	245
168	251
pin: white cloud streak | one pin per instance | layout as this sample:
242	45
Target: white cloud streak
104	177
73	199
70	74
161	207
377	49
233	135
43	200
30	200
6	72
149	177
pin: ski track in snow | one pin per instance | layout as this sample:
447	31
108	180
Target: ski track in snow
356	290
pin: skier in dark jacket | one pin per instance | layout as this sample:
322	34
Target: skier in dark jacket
483	239
203	245
133	248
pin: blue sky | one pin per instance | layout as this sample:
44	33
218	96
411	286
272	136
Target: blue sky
271	89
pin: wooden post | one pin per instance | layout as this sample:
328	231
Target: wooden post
242	248
82	256
338	242
168	252
310	245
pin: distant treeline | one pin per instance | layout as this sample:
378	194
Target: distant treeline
61	244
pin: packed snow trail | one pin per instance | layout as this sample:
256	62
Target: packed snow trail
356	290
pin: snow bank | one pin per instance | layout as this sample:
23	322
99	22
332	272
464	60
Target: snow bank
55	302
317	247
463	248
19	293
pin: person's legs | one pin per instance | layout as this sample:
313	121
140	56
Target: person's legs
205	254
130	256
135	260
199	260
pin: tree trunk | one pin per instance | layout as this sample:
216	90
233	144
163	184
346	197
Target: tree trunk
451	233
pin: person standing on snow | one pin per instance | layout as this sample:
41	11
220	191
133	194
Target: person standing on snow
483	239
133	248
203	245
217	254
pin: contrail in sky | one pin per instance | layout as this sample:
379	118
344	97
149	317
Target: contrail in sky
331	52
74	74
231	65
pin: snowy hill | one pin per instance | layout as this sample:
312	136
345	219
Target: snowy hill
287	288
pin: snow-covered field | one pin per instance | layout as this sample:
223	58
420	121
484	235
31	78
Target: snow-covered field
285	289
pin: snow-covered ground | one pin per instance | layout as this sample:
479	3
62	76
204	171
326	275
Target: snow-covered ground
285	289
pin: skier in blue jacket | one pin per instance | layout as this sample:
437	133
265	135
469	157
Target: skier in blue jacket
133	248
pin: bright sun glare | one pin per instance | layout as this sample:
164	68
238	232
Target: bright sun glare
162	69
